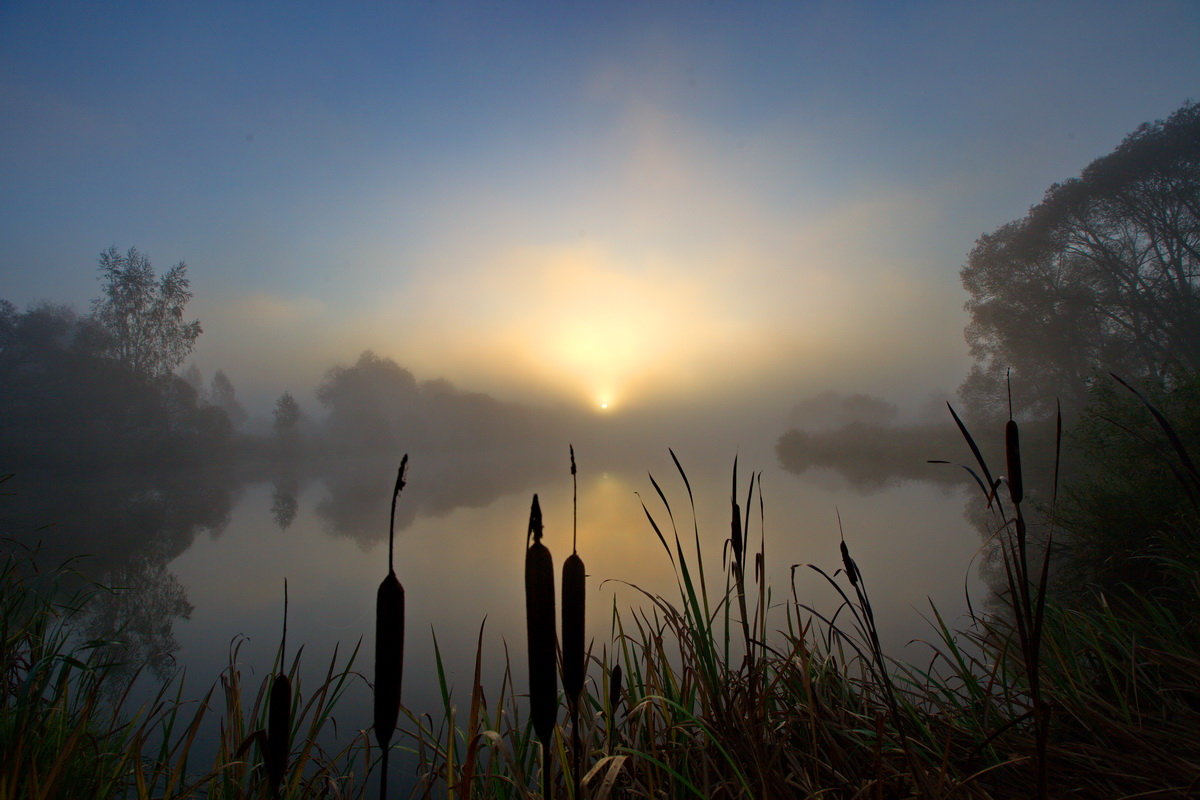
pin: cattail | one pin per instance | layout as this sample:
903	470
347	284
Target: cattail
540	624
614	704
389	643
279	714
735	528
849	565
574	578
1012	450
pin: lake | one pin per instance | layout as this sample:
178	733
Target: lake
220	547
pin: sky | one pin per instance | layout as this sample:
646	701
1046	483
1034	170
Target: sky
644	204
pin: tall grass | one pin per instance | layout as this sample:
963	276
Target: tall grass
70	727
727	688
737	693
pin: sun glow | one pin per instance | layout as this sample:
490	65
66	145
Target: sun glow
603	325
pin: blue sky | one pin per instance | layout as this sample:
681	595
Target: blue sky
643	202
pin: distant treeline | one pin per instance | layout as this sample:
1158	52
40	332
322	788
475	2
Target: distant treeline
67	404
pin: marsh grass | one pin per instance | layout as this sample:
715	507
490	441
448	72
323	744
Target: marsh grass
70	727
737	693
727	688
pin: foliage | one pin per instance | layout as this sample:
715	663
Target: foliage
66	404
286	418
777	700
1101	275
375	404
366	400
90	740
1101	702
223	396
1132	518
142	314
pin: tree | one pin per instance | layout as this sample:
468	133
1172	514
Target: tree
1100	276
143	314
193	378
370	402
65	403
1131	517
222	395
287	419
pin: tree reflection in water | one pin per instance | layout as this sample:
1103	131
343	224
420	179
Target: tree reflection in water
127	528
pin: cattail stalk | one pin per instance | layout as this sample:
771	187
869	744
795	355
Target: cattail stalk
540	627
279	714
574	580
389	643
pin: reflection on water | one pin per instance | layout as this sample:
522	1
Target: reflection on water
139	616
124	530
284	504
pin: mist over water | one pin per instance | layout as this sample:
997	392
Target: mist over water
201	556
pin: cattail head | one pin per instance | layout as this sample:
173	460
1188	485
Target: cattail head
389	634
573	617
735	525
1012	452
614	688
540	627
389	656
735	536
849	565
279	714
279	724
573	599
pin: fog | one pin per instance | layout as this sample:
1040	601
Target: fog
255	256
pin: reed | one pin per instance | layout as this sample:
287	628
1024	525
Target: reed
542	639
69	728
819	711
389	643
574	579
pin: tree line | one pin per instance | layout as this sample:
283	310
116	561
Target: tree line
1100	278
105	388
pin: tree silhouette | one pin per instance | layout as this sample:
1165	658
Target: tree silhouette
222	395
1100	276
142	314
287	417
